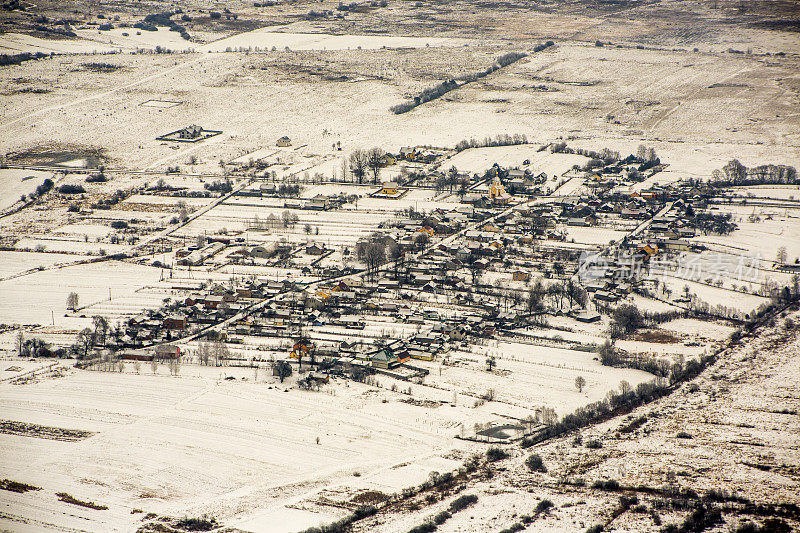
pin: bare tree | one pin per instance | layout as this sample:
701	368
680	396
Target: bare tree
580	383
374	256
72	301
375	162
100	328
358	164
219	352
203	353
782	256
85	341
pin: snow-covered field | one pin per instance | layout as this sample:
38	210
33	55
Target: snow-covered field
17	182
267	38
16	43
31	299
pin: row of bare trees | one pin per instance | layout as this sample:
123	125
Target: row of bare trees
364	162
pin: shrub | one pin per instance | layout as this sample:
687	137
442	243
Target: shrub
119	224
16	486
462	502
527	442
44	187
215	15
535	464
611	484
595	529
594	444
197	524
364	511
71	189
425	527
96	178
495	454
683	435
441	518
543	505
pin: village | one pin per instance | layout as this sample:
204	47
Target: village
399	267
314	277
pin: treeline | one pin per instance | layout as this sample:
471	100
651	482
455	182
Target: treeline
445	87
498	140
625	401
736	174
16	59
716	223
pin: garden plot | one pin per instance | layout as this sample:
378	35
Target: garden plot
68	245
477	160
593	235
89	230
338	188
167	202
339	227
31	298
777	192
419	199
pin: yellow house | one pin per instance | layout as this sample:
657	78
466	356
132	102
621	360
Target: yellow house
521	275
649	249
388	160
389	187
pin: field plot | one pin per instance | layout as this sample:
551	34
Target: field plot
17	182
300	94
480	159
183	450
267	38
12	263
761	238
15	43
30	299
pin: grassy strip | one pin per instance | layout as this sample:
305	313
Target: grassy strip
16	486
64	497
